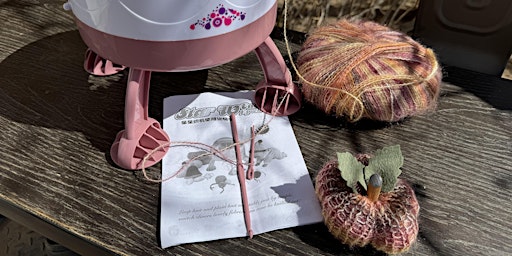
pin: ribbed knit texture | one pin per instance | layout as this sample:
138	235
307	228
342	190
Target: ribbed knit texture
365	70
389	224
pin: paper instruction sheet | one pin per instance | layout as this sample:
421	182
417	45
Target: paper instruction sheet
203	201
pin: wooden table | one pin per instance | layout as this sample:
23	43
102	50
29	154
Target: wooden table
57	124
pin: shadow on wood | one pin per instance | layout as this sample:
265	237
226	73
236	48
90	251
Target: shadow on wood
44	84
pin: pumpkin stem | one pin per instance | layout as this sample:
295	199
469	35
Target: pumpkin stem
374	186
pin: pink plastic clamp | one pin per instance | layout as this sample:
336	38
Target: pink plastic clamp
96	65
277	94
142	134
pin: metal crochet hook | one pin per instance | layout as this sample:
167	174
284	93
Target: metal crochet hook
250	170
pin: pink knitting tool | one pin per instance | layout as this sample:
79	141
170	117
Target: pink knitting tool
241	176
174	36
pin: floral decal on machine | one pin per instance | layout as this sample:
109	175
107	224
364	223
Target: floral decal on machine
218	17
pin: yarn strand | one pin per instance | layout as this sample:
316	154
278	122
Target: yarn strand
289	52
210	150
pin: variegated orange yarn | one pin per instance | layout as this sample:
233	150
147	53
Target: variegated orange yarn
362	69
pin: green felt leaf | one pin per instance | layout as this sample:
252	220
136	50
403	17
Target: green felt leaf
387	163
351	170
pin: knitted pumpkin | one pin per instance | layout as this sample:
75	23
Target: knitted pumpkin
388	220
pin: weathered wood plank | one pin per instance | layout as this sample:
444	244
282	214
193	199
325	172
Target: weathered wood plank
57	124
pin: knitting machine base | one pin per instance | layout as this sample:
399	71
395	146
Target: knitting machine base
276	95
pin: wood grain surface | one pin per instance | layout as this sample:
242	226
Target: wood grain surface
57	124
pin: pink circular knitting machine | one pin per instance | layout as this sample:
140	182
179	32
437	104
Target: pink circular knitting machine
173	36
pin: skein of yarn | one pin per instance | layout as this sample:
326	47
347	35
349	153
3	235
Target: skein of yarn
361	69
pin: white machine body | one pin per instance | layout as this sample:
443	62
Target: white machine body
168	20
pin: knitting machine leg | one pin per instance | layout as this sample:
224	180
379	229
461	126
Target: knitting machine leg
96	65
142	134
277	94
